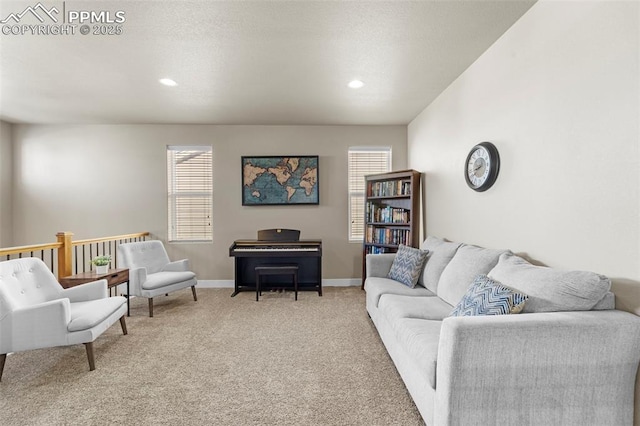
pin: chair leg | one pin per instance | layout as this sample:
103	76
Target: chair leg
92	362
123	324
193	290
151	307
3	358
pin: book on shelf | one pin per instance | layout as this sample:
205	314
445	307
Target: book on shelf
378	250
387	214
389	188
390	236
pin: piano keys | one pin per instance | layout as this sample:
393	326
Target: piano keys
274	249
306	254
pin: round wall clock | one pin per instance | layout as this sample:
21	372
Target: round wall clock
482	166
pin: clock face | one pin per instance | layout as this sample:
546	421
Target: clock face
482	165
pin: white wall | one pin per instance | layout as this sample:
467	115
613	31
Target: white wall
558	94
6	182
101	180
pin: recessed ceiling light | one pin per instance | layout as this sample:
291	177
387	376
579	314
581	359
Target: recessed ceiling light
355	84
168	82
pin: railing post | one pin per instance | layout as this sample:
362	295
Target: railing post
65	256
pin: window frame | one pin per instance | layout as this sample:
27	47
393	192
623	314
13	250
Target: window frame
174	194
357	195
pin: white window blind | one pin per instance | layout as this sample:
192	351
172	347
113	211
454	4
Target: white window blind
363	161
190	192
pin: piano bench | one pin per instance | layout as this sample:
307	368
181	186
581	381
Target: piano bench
277	270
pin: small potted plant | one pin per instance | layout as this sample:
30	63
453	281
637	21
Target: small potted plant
101	263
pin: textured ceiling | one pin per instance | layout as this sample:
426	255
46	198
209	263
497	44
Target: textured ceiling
244	62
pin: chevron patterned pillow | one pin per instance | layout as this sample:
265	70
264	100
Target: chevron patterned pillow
488	297
407	265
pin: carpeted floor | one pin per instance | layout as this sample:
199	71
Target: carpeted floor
218	361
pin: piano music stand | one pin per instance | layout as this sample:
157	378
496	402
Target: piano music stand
279	235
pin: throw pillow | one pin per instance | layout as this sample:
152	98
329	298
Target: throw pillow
488	297
407	265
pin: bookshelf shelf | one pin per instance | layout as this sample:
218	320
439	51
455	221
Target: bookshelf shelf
389	197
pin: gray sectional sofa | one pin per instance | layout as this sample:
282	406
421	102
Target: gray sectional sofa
569	358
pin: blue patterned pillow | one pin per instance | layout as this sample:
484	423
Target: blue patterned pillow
407	265
488	297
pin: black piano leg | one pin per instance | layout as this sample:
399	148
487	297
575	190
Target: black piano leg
234	293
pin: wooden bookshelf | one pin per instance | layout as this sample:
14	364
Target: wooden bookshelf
391	213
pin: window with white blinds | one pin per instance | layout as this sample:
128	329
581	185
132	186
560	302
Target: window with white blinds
363	161
190	192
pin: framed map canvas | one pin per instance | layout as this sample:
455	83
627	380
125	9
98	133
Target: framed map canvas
280	180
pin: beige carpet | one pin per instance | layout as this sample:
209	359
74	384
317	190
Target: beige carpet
218	361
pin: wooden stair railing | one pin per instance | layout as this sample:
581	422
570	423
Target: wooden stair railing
67	257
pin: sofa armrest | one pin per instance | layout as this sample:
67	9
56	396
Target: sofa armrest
177	266
137	276
38	326
85	292
379	265
546	368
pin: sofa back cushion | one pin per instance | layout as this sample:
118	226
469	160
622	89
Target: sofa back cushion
440	254
143	254
25	282
551	290
468	262
606	303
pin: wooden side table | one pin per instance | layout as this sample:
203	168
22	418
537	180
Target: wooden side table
114	277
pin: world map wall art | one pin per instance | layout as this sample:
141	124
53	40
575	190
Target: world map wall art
280	180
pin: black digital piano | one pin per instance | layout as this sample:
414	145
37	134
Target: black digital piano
306	254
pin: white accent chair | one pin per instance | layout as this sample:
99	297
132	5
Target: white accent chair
151	273
36	312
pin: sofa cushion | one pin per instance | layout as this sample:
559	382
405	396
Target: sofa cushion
468	262
488	297
551	290
440	254
394	307
163	279
407	265
376	287
85	315
419	338
606	303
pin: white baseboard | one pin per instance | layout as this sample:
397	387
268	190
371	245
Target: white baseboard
215	284
342	282
336	282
